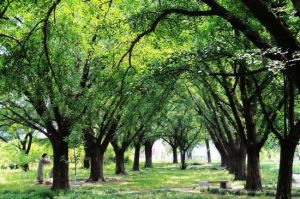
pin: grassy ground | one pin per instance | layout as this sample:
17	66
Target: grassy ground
162	181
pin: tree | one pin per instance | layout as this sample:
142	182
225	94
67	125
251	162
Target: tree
242	99
137	143
97	141
148	144
285	130
136	118
171	140
65	66
181	125
276	24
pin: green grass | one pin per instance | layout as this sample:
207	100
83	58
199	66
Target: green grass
162	181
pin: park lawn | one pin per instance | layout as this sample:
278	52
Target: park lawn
162	181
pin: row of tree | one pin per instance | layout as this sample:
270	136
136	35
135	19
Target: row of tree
66	85
63	73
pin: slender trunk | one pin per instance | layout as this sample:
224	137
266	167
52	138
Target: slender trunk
175	158
96	172
61	164
136	160
208	151
26	146
284	184
148	154
182	156
253	180
120	162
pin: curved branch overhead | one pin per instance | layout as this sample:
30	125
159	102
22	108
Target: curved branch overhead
155	23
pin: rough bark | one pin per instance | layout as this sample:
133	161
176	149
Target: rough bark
136	159
94	157
237	165
253	180
175	158
182	157
120	162
96	172
208	151
61	165
148	154
284	184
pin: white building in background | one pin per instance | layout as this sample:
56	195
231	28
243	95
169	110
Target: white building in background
162	152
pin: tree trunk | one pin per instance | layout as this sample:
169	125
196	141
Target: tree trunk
230	164
238	165
87	156
148	154
120	162
222	153
86	162
182	156
284	184
208	151
26	146
61	164
136	160
253	180
175	158
96	172
223	160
